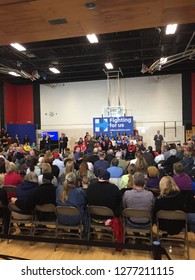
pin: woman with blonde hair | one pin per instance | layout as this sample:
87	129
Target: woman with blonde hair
69	167
47	168
153	179
68	194
83	171
170	198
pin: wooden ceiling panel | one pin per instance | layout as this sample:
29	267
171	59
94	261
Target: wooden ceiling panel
130	32
27	21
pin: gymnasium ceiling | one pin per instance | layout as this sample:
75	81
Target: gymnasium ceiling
130	33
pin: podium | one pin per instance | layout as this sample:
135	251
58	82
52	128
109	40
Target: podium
54	144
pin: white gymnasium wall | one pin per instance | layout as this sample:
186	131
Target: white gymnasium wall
154	102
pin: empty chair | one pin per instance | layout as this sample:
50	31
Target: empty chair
97	227
68	230
45	218
164	216
18	220
135	230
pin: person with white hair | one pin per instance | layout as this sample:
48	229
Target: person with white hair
122	162
12	177
94	157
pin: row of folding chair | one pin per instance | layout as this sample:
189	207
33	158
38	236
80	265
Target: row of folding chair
136	231
44	219
100	218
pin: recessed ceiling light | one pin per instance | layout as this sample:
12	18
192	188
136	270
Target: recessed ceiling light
109	65
18	47
92	38
171	29
90	5
54	70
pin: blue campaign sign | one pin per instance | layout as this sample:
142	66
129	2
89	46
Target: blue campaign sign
114	124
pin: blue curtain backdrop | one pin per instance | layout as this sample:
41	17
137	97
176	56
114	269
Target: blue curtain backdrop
22	130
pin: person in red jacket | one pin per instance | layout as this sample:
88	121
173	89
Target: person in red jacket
11	176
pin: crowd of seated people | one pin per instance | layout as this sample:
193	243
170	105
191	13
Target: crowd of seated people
88	177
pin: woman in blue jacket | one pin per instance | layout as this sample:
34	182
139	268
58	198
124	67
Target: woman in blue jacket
68	195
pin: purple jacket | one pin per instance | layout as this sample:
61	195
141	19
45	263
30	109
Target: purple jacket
183	181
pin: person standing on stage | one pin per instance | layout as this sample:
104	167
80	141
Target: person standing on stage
63	142
47	141
158	138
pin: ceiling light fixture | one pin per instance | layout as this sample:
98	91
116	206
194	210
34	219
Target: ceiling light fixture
171	29
14	74
92	38
163	60
18	47
109	65
54	70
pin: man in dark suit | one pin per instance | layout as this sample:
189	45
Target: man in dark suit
47	142
158	138
63	142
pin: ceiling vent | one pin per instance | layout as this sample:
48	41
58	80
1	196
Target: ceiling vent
57	21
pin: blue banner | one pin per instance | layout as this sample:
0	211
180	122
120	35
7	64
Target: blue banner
114	125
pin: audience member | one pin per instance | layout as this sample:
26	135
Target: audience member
168	164
4	211
131	148
59	162
33	166
109	155
183	181
83	171
85	183
46	168
171	198
126	181
141	164
103	193
11	177
149	158
27	187
44	194
180	152
187	161
153	179
138	198
69	195
114	170
122	162
101	163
